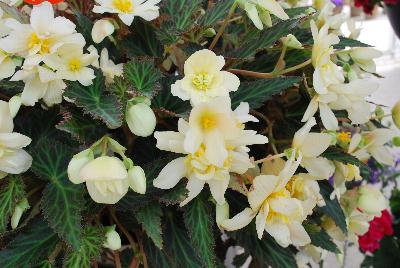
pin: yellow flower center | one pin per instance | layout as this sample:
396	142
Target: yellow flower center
74	65
344	136
44	44
295	186
125	6
202	81
208	121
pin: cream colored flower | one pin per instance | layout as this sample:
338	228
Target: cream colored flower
326	72
128	9
370	200
113	240
328	17
311	145
4	29
44	35
372	143
109	68
101	29
321	102
309	254
141	119
6	119
343	173
361	59
259	11
204	79
7	65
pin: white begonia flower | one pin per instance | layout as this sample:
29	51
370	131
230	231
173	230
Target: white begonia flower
7	65
354	31
321	102
6	118
113	240
13	159
40	83
101	29
343	173
259	11
128	9
362	59
372	143
73	65
326	72
141	119
275	210
204	79
4	29
309	254
44	35
311	145
109	68
327	17
370	200
197	167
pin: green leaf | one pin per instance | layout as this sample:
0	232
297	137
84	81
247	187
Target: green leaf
200	225
167	103
30	246
332	207
95	101
150	219
84	26
347	42
143	41
11	193
92	241
143	76
263	39
337	154
218	12
156	257
81	127
320	238
62	200
257	92
175	195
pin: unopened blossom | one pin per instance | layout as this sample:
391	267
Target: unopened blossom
311	145
141	119
204	78
127	10
326	72
44	35
101	29
259	11
109	68
370	200
372	143
113	240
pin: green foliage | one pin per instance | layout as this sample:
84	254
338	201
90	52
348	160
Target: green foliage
12	191
347	42
259	91
62	201
142	77
150	219
320	238
92	241
29	246
218	12
332	207
96	102
200	224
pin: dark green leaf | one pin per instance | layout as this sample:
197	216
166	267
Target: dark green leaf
92	241
218	12
62	200
257	92
320	238
95	101
156	257
347	42
11	193
264	39
143	76
84	26
150	219
81	127
175	195
332	207
200	225
30	246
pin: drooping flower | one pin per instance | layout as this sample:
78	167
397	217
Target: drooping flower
128	9
204	79
311	145
113	240
109	68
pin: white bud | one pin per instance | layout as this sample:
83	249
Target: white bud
113	240
21	207
137	179
101	29
221	213
396	114
104	168
370	200
141	119
291	41
14	104
76	164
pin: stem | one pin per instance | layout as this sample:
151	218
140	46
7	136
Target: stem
53	255
123	229
271	157
380	117
280	64
34	190
269	75
117	259
144	257
223	26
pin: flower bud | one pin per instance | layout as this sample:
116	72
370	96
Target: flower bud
76	164
396	141
141	119
14	103
101	29
104	168
137	179
21	207
210	32
370	200
113	240
396	114
291	41
6	120
221	213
